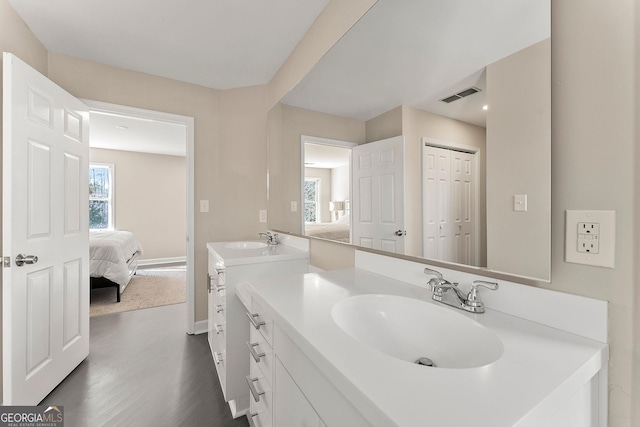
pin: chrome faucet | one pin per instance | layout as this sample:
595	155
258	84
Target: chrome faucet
458	299
272	238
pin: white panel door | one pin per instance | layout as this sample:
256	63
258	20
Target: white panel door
463	207
378	195
45	313
449	205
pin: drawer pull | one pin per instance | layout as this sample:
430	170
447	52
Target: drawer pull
219	308
254	353
218	328
254	391
217	358
256	323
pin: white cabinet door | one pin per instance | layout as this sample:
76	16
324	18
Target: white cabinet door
45	331
291	407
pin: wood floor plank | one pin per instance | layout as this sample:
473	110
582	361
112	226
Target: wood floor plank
144	370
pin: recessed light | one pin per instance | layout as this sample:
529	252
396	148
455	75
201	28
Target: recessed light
485	107
120	127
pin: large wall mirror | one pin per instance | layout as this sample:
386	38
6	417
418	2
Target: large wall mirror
425	131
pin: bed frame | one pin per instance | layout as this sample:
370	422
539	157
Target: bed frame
103	282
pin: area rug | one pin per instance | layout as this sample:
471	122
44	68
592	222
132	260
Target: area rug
150	287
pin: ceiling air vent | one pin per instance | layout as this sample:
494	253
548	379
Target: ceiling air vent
461	94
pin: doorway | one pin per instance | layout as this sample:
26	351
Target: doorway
185	127
326	188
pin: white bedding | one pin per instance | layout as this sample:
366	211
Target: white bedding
338	230
109	252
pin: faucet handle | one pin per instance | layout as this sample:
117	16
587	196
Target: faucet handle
482	283
433	273
473	298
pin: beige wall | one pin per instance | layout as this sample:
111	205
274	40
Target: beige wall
519	162
150	199
386	125
417	124
594	163
593	147
286	125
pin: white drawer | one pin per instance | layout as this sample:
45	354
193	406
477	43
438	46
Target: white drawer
264	352
263	407
262	322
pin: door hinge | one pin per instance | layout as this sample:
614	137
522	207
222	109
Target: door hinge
6	261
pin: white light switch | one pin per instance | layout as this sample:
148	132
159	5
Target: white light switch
263	215
520	203
204	206
590	238
294	206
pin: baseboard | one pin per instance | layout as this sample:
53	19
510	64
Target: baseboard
156	262
201	327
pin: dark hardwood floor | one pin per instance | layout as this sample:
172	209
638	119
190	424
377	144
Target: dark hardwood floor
144	370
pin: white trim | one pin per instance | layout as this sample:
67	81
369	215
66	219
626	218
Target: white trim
320	141
162	261
479	159
201	327
190	141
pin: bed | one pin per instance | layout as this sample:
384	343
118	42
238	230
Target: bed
113	259
338	230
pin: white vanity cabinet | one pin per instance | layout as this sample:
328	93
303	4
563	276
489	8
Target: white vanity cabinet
228	325
287	389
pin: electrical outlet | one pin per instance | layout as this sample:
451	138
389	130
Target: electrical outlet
294	206
590	238
588	244
204	206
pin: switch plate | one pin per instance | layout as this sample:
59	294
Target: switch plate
520	203
204	206
263	215
590	238
294	206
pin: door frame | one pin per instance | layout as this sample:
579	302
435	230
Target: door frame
188	121
479	158
322	141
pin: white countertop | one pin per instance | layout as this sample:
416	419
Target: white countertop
539	368
229	256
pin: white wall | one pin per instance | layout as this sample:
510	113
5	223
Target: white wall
340	183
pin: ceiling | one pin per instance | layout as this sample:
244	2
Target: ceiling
416	52
220	44
325	156
121	132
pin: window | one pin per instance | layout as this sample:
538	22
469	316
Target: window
100	196
311	199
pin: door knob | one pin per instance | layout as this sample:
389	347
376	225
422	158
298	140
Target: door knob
401	233
26	259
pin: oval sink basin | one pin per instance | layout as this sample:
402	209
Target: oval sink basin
410	329
245	245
